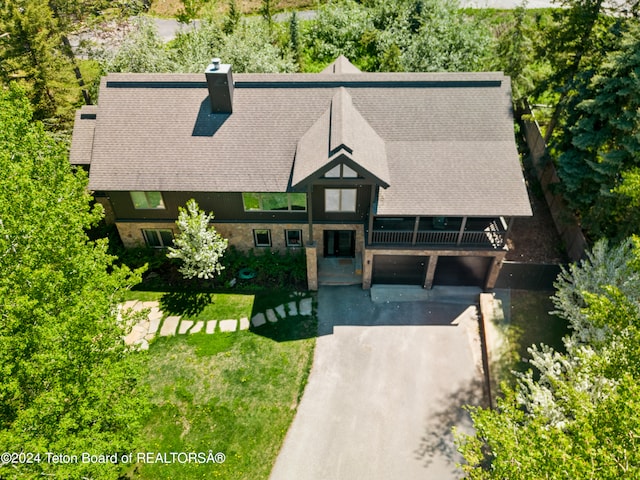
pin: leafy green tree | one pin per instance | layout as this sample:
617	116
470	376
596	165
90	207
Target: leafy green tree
142	52
198	244
445	41
68	384
339	29
190	10
575	419
515	53
605	143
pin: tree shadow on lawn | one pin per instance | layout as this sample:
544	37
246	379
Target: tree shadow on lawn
188	304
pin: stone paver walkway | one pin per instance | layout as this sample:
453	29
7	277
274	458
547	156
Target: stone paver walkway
156	323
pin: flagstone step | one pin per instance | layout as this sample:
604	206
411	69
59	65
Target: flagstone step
153	325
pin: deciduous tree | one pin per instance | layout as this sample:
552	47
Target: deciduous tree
68	384
198	245
576	418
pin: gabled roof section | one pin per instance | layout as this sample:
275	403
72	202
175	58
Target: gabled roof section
340	132
83	129
341	65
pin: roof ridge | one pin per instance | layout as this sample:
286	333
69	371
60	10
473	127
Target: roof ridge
339	124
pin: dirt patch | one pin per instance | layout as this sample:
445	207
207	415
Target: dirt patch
535	239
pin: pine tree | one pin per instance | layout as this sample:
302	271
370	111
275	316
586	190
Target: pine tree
232	19
605	140
31	54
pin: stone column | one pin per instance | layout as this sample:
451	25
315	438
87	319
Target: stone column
367	269
312	266
494	271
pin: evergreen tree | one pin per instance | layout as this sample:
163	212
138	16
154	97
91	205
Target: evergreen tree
267	13
605	142
294	39
232	19
31	54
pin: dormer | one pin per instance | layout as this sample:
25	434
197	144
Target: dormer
340	145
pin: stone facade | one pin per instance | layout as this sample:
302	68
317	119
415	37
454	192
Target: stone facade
131	232
312	266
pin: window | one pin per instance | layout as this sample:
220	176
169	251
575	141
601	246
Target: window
269	202
158	238
340	200
262	238
341	171
147	200
293	238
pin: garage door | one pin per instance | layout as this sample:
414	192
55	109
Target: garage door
399	269
462	271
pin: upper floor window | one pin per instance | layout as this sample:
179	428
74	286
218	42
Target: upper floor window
268	202
340	199
147	200
341	171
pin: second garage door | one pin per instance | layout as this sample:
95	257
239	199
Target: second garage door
462	271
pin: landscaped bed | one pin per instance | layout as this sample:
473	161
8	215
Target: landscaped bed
233	393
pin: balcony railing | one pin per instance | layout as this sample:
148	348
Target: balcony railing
490	237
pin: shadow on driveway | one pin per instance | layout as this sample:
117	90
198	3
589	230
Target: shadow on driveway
388	382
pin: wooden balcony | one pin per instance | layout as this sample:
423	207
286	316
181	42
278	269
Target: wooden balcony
492	236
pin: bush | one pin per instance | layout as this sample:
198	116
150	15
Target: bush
273	269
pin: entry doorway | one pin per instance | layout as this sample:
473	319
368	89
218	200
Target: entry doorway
339	243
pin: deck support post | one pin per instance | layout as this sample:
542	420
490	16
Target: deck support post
431	272
461	232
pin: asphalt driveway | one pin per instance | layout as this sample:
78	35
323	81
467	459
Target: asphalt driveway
388	383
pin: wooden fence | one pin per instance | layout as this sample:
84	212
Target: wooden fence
565	221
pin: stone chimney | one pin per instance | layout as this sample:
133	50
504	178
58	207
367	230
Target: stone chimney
220	84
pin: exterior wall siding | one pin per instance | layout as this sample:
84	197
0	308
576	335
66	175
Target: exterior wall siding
363	199
228	206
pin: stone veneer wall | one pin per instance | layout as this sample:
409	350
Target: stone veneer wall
240	235
131	233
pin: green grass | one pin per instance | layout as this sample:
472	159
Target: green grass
234	393
531	323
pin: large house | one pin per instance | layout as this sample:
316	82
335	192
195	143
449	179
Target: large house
415	177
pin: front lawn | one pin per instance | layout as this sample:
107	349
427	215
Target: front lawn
235	393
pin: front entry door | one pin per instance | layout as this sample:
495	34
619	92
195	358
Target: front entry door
339	243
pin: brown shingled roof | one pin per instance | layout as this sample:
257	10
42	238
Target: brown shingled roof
341	65
83	128
340	132
447	137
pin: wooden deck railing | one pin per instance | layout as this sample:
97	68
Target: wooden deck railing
491	237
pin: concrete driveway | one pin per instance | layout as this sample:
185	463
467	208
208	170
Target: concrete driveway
388	383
